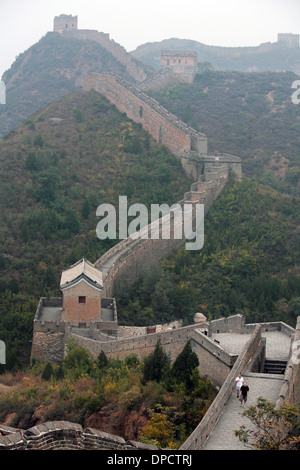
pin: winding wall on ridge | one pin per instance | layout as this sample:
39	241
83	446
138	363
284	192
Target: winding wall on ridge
164	127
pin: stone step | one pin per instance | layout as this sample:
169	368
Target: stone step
274	366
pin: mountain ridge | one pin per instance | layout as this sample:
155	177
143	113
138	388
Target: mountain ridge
53	67
267	56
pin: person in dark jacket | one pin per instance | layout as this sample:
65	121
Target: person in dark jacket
244	394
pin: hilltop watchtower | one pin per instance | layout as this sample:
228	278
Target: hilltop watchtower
65	23
289	40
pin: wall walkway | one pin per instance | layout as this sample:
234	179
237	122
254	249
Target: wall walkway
216	430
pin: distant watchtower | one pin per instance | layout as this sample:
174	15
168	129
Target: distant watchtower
178	59
64	23
289	40
181	63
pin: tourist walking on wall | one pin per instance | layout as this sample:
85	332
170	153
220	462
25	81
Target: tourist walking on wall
238	383
244	394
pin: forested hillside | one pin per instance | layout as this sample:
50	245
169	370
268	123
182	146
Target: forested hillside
79	152
48	70
250	115
272	57
55	169
249	264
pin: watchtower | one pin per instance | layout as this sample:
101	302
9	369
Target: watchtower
81	286
64	23
289	40
178	59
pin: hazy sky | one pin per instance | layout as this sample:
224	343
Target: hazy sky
134	22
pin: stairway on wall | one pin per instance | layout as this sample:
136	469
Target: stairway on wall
274	366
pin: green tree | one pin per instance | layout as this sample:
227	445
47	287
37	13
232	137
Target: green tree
38	141
156	365
184	365
31	162
274	429
158	431
294	306
47	372
60	372
77	362
102	360
85	211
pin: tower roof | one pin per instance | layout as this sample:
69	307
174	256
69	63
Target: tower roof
83	269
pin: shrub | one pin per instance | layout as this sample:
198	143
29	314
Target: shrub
47	372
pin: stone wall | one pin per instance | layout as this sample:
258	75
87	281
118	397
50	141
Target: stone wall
129	331
134	70
48	341
233	323
124	263
165	128
289	392
163	78
64	435
172	341
214	361
203	430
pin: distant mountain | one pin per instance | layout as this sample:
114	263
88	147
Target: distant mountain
274	57
57	65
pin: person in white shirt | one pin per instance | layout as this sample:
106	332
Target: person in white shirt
238	383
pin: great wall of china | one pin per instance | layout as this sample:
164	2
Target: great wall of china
127	261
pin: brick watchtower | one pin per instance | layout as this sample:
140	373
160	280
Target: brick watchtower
64	23
81	286
178	59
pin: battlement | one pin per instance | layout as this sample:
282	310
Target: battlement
64	435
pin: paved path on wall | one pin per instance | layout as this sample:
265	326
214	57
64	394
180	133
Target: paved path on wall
260	385
222	437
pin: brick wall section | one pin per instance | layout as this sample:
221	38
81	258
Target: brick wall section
204	428
48	345
164	127
75	312
123	264
172	341
290	390
48	340
214	361
64	435
133	69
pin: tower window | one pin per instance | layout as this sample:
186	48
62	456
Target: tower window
81	299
